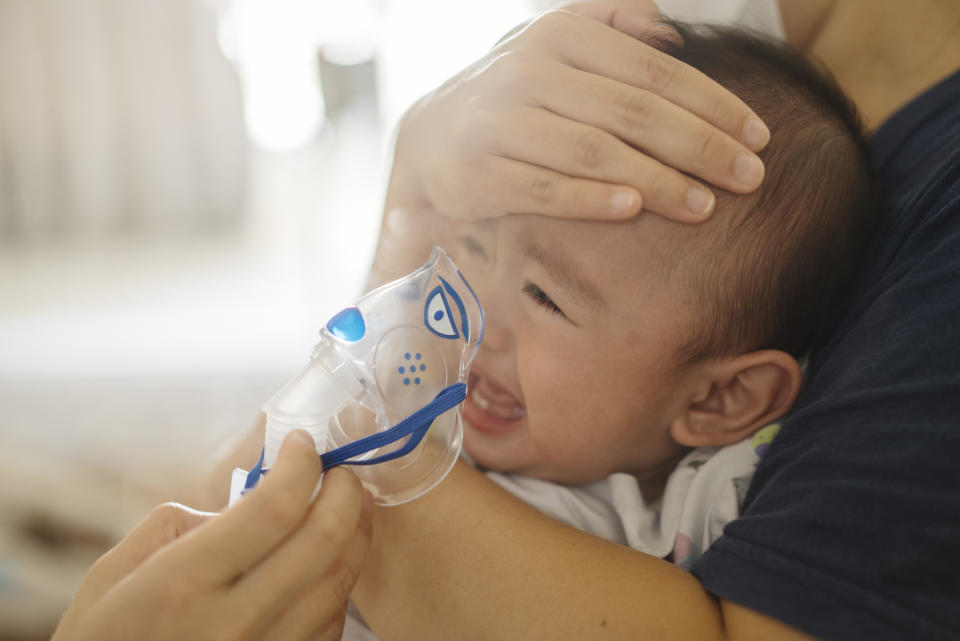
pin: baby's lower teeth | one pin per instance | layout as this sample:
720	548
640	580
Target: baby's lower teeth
500	411
479	400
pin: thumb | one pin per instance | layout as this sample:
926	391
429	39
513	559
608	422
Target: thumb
165	524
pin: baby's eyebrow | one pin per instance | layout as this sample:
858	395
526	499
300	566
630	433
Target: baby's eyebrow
474	245
562	269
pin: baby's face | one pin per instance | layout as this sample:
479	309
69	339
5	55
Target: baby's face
574	378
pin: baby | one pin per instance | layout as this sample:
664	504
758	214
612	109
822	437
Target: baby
625	364
616	348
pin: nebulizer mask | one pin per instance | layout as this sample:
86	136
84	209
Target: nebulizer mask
383	386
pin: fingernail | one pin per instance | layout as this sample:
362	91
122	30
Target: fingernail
623	202
755	133
662	36
749	170
700	202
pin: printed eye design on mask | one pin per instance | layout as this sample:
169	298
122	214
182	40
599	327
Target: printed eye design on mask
437	315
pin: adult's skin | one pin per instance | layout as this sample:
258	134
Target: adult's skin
544	124
278	565
470	560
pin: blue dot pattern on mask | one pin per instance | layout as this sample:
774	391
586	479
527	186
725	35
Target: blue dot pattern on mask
413	368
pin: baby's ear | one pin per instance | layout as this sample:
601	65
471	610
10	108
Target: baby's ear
732	398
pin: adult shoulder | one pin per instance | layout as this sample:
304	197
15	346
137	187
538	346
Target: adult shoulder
850	525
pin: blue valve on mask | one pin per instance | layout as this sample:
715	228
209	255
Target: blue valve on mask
383	386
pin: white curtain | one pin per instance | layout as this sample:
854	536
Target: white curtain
116	115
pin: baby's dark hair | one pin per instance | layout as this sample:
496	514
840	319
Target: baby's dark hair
771	268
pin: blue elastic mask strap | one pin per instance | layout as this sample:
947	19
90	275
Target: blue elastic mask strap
255	472
415	426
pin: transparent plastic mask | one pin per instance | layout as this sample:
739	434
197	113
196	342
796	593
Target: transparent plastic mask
378	362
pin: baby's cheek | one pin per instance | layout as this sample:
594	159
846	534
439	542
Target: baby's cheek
539	355
554	390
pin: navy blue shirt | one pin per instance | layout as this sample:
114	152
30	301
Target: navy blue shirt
851	527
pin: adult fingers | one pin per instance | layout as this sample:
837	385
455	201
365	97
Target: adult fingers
541	138
598	49
316	549
225	547
318	611
524	188
165	523
654	125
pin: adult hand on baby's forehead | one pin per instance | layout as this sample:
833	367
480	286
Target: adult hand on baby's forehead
568	116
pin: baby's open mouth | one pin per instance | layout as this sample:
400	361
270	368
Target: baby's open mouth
494	399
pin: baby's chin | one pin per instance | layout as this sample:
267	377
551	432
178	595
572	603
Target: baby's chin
542	470
479	452
476	457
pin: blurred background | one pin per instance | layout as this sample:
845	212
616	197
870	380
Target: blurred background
188	190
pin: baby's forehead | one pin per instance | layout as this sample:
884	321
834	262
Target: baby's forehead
623	253
622	258
646	239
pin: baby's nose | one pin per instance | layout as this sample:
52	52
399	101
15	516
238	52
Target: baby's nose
497	314
497	336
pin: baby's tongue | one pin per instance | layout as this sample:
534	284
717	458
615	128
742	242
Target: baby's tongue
494	399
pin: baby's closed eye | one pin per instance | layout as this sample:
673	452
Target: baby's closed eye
541	298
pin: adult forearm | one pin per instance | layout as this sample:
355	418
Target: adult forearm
470	561
803	20
410	227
